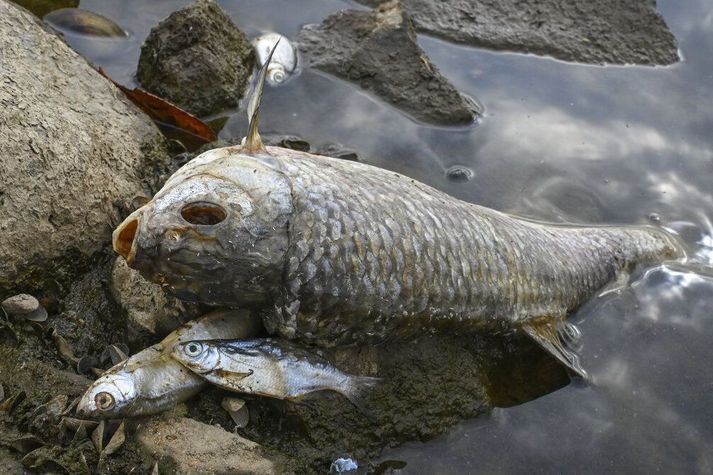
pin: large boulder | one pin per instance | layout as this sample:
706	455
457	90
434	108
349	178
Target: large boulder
378	51
587	31
197	58
73	151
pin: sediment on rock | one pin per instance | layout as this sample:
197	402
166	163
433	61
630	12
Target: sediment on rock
585	31
197	58
379	52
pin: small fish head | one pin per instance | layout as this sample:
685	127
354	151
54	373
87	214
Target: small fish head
112	395
199	356
216	233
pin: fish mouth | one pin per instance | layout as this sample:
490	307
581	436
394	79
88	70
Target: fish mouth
124	237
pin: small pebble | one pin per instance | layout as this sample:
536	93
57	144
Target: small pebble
343	465
238	411
295	143
655	218
459	174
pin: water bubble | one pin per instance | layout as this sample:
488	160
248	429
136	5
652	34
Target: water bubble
459	174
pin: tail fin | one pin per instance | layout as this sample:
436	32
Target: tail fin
357	389
652	245
253	142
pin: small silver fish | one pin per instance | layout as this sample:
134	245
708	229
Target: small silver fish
268	367
151	381
284	59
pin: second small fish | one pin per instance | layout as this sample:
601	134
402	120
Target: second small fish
268	367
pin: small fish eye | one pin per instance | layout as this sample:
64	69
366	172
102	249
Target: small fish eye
104	401
203	213
194	349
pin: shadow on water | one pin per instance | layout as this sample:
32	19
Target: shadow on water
559	142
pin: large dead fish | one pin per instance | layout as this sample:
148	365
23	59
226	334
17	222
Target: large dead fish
268	367
336	252
151	381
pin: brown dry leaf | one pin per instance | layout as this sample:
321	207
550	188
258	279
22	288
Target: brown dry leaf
166	113
98	437
80	434
116	355
71	407
73	423
117	440
64	348
10	404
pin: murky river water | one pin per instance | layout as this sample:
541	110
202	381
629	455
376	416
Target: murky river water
559	142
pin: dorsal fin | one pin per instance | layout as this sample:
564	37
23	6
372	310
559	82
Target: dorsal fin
253	142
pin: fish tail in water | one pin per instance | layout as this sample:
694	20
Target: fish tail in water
629	247
356	390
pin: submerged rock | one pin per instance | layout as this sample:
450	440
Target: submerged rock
183	445
378	51
197	58
586	31
71	150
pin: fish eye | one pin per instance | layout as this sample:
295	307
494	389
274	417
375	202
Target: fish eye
203	213
104	401
194	349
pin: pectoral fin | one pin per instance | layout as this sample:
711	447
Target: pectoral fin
229	376
557	337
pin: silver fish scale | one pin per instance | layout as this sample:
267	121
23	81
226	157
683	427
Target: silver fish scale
375	254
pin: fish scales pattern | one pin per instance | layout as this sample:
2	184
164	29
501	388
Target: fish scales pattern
375	254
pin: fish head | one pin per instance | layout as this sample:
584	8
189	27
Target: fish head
215	233
199	356
110	396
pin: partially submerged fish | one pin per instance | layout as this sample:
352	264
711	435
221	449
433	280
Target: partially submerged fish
336	252
268	367
85	22
151	381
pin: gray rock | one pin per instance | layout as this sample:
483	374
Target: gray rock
149	311
184	445
378	51
586	31
197	58
72	148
